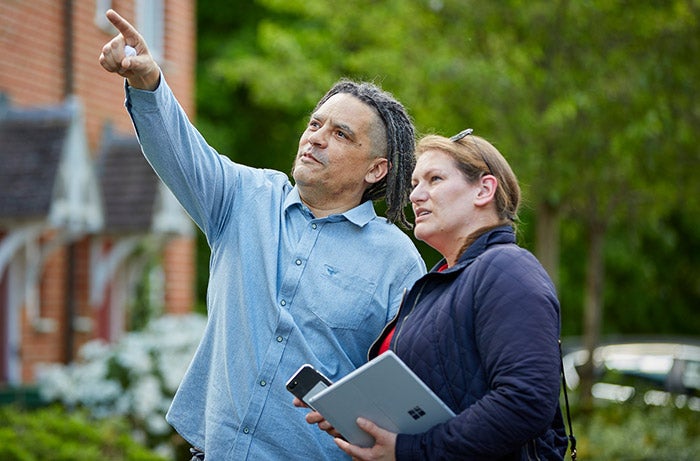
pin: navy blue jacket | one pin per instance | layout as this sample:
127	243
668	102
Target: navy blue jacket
483	335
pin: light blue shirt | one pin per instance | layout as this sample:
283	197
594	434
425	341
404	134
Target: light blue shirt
285	289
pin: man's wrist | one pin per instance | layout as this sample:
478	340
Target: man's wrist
148	83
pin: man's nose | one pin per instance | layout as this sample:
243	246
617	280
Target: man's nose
319	137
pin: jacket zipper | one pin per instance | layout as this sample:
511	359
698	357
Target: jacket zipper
399	328
532	444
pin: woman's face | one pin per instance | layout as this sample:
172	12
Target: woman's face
443	202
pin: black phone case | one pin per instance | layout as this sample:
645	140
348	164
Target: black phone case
305	379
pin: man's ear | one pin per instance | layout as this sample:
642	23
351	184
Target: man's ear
487	190
377	170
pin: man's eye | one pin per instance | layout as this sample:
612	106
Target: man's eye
341	134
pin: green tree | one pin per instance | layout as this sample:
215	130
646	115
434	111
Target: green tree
592	102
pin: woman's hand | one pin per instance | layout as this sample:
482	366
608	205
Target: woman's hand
384	444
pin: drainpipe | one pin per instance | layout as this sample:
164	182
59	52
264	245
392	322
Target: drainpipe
69	81
68	88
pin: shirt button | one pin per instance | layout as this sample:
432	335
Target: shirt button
298	262
246	430
283	302
314	226
280	339
263	383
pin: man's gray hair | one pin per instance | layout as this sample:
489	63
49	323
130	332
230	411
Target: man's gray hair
395	187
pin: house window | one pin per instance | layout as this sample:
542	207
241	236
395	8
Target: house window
150	23
101	21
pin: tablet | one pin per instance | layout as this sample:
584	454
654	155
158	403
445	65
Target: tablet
385	391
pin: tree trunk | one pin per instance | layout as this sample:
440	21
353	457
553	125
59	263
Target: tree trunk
547	240
592	312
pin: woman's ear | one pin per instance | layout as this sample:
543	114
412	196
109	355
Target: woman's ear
377	170
487	190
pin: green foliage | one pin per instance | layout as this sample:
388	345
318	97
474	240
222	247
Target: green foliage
638	433
52	433
134	378
593	103
148	302
662	282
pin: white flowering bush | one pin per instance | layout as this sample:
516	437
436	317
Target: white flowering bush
134	378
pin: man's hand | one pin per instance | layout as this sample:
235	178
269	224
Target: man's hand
141	70
314	417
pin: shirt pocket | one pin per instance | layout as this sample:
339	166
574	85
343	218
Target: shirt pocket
346	299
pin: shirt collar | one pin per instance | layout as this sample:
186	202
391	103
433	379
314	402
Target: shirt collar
360	215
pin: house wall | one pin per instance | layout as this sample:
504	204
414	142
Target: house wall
33	73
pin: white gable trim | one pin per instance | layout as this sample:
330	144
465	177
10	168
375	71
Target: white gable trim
15	240
104	264
77	203
168	215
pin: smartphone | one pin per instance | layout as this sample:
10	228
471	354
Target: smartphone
307	382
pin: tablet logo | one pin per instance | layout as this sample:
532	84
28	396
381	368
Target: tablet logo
416	412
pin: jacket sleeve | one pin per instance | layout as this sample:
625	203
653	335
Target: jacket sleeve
516	329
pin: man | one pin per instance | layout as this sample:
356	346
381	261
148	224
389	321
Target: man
299	273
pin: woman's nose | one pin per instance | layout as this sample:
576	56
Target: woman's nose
416	194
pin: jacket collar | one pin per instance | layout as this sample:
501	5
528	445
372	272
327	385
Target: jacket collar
499	235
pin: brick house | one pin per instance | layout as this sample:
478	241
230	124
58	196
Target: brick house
83	219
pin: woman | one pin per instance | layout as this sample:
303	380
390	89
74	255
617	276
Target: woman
481	329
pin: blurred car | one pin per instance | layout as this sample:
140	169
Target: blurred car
660	371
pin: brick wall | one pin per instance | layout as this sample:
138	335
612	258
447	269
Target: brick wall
31	38
180	275
33	72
